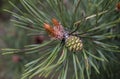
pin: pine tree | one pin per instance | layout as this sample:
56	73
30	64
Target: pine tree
82	37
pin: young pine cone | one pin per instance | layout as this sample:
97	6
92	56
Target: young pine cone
73	43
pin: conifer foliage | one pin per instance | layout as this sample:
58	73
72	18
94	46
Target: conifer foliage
81	36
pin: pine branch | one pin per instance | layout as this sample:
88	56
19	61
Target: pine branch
84	39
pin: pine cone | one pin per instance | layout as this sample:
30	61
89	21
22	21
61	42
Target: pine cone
74	43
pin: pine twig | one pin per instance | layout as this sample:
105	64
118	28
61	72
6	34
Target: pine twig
92	16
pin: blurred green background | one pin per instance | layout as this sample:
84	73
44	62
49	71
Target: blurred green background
11	66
